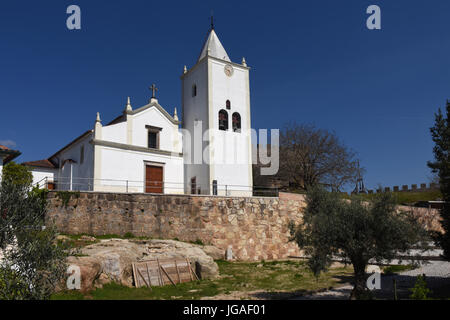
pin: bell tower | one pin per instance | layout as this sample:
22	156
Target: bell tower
216	120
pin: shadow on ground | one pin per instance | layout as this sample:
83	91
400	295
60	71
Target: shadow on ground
440	287
342	281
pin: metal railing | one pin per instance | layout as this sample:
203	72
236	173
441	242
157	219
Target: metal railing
148	186
42	183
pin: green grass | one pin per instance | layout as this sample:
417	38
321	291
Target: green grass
199	242
407	197
76	237
412	197
397	269
273	278
113	291
127	235
75	242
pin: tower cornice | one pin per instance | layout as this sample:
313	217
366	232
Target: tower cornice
234	64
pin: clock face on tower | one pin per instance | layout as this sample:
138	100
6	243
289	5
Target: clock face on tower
228	69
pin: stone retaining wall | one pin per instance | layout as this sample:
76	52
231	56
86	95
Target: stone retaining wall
256	227
429	218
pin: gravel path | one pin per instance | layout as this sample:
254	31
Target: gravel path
431	269
341	293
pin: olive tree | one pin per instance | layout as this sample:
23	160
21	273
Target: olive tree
32	262
355	231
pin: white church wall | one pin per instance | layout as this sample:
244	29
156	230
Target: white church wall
231	164
65	176
195	109
121	168
76	175
115	132
231	151
153	117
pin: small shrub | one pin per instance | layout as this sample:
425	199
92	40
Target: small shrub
108	236
420	290
128	235
40	194
17	174
397	268
199	242
65	196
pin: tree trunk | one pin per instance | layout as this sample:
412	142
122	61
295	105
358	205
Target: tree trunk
360	281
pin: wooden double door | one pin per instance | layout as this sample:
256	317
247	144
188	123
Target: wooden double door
154	179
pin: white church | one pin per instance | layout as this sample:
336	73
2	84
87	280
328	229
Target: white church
148	150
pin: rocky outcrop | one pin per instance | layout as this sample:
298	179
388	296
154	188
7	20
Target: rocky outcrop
204	264
214	252
111	260
90	270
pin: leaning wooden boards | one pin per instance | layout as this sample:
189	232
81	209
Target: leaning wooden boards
162	272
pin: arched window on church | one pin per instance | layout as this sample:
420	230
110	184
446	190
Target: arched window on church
236	122
228	104
223	120
194	90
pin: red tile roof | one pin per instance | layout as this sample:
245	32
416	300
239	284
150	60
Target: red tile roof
4	148
40	163
7	154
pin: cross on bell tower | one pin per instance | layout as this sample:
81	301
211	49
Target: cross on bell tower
154	89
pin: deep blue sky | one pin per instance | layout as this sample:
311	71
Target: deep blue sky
312	61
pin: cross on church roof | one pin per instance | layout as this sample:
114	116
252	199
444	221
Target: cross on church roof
154	89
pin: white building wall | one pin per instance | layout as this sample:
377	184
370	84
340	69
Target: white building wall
124	171
42	176
115	132
77	175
